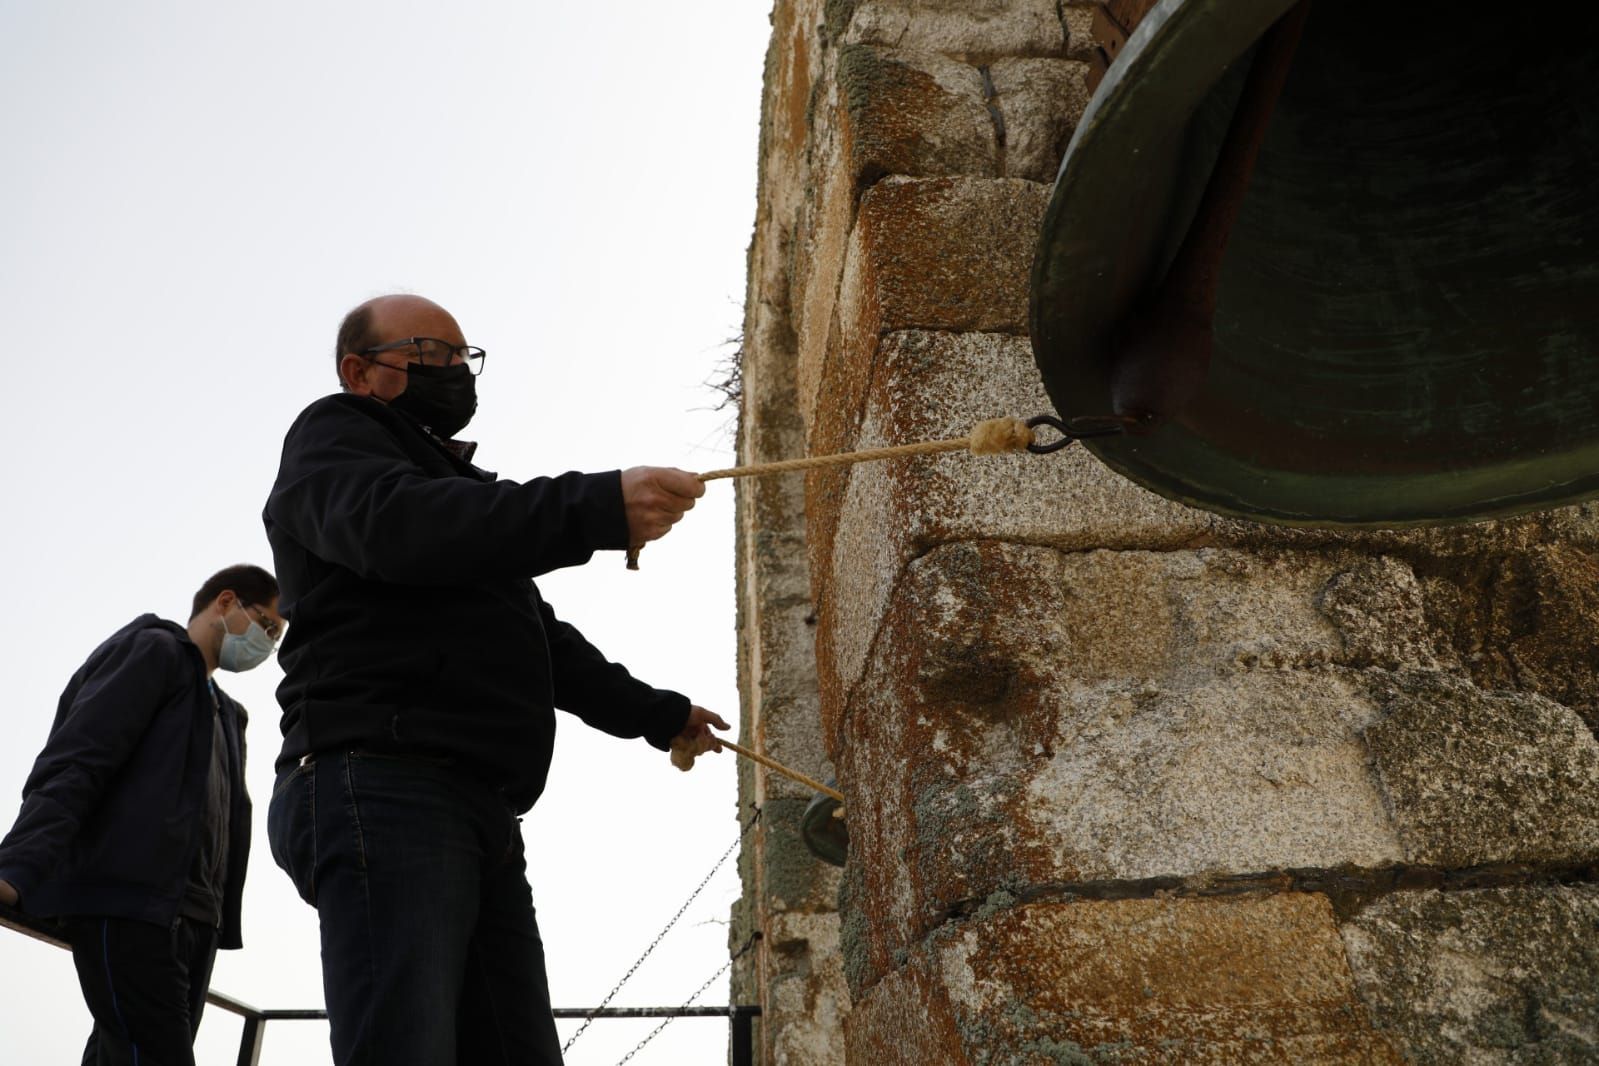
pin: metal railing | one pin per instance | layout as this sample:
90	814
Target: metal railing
741	1019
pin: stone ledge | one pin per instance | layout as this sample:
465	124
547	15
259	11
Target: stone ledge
971	29
1149	981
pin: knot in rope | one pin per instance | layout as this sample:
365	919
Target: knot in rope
994	436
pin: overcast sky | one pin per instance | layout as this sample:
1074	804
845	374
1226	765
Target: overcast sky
192	195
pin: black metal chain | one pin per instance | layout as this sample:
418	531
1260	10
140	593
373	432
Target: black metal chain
653	1033
631	970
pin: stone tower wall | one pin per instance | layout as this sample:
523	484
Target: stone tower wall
1128	782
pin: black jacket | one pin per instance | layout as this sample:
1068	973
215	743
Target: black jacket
406	575
113	810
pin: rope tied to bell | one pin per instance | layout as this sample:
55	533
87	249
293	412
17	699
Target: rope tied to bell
991	436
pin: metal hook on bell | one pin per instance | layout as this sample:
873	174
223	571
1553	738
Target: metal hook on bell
1082	427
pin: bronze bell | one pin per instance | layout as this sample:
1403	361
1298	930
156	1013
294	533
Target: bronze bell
1334	264
823	830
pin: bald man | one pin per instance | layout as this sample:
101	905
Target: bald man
421	676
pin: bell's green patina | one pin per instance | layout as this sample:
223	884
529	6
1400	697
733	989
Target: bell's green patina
1406	327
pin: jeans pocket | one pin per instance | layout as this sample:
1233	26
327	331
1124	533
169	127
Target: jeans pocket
286	780
291	829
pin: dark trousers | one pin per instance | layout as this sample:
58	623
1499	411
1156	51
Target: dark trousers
430	951
145	985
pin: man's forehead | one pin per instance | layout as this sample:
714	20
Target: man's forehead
397	317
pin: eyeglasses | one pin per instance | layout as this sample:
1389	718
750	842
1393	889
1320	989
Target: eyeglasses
273	630
430	351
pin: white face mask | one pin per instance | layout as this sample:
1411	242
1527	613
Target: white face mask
247	650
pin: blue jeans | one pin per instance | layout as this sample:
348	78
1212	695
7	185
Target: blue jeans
430	951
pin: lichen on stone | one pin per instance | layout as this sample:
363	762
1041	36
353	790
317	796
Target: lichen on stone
836	16
855	930
997	901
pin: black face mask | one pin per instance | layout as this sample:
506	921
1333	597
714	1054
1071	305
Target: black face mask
442	398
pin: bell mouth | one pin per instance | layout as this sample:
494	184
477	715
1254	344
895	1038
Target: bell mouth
1405	328
823	829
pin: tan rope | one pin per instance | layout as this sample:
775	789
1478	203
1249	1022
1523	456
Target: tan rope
992	436
684	753
773	764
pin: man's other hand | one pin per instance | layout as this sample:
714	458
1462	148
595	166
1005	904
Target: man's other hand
655	497
697	732
8	894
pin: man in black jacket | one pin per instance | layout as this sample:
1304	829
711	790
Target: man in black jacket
135	824
421	676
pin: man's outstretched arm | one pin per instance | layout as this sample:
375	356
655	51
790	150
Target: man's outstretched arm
610	699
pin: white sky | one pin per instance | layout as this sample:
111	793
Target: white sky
191	195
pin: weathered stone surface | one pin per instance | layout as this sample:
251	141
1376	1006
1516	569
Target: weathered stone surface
971	28
920	114
789	231
1028	717
1510	624
776	652
791	62
820	259
1044	683
1476	777
788	876
946	253
1040	101
795	971
807	999
1379	609
928	386
1526	617
906	1019
1577	526
915	114
1077	17
942	254
1138	981
1031	718
1485	978
1251	773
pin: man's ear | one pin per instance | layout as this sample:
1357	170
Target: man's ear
353	373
